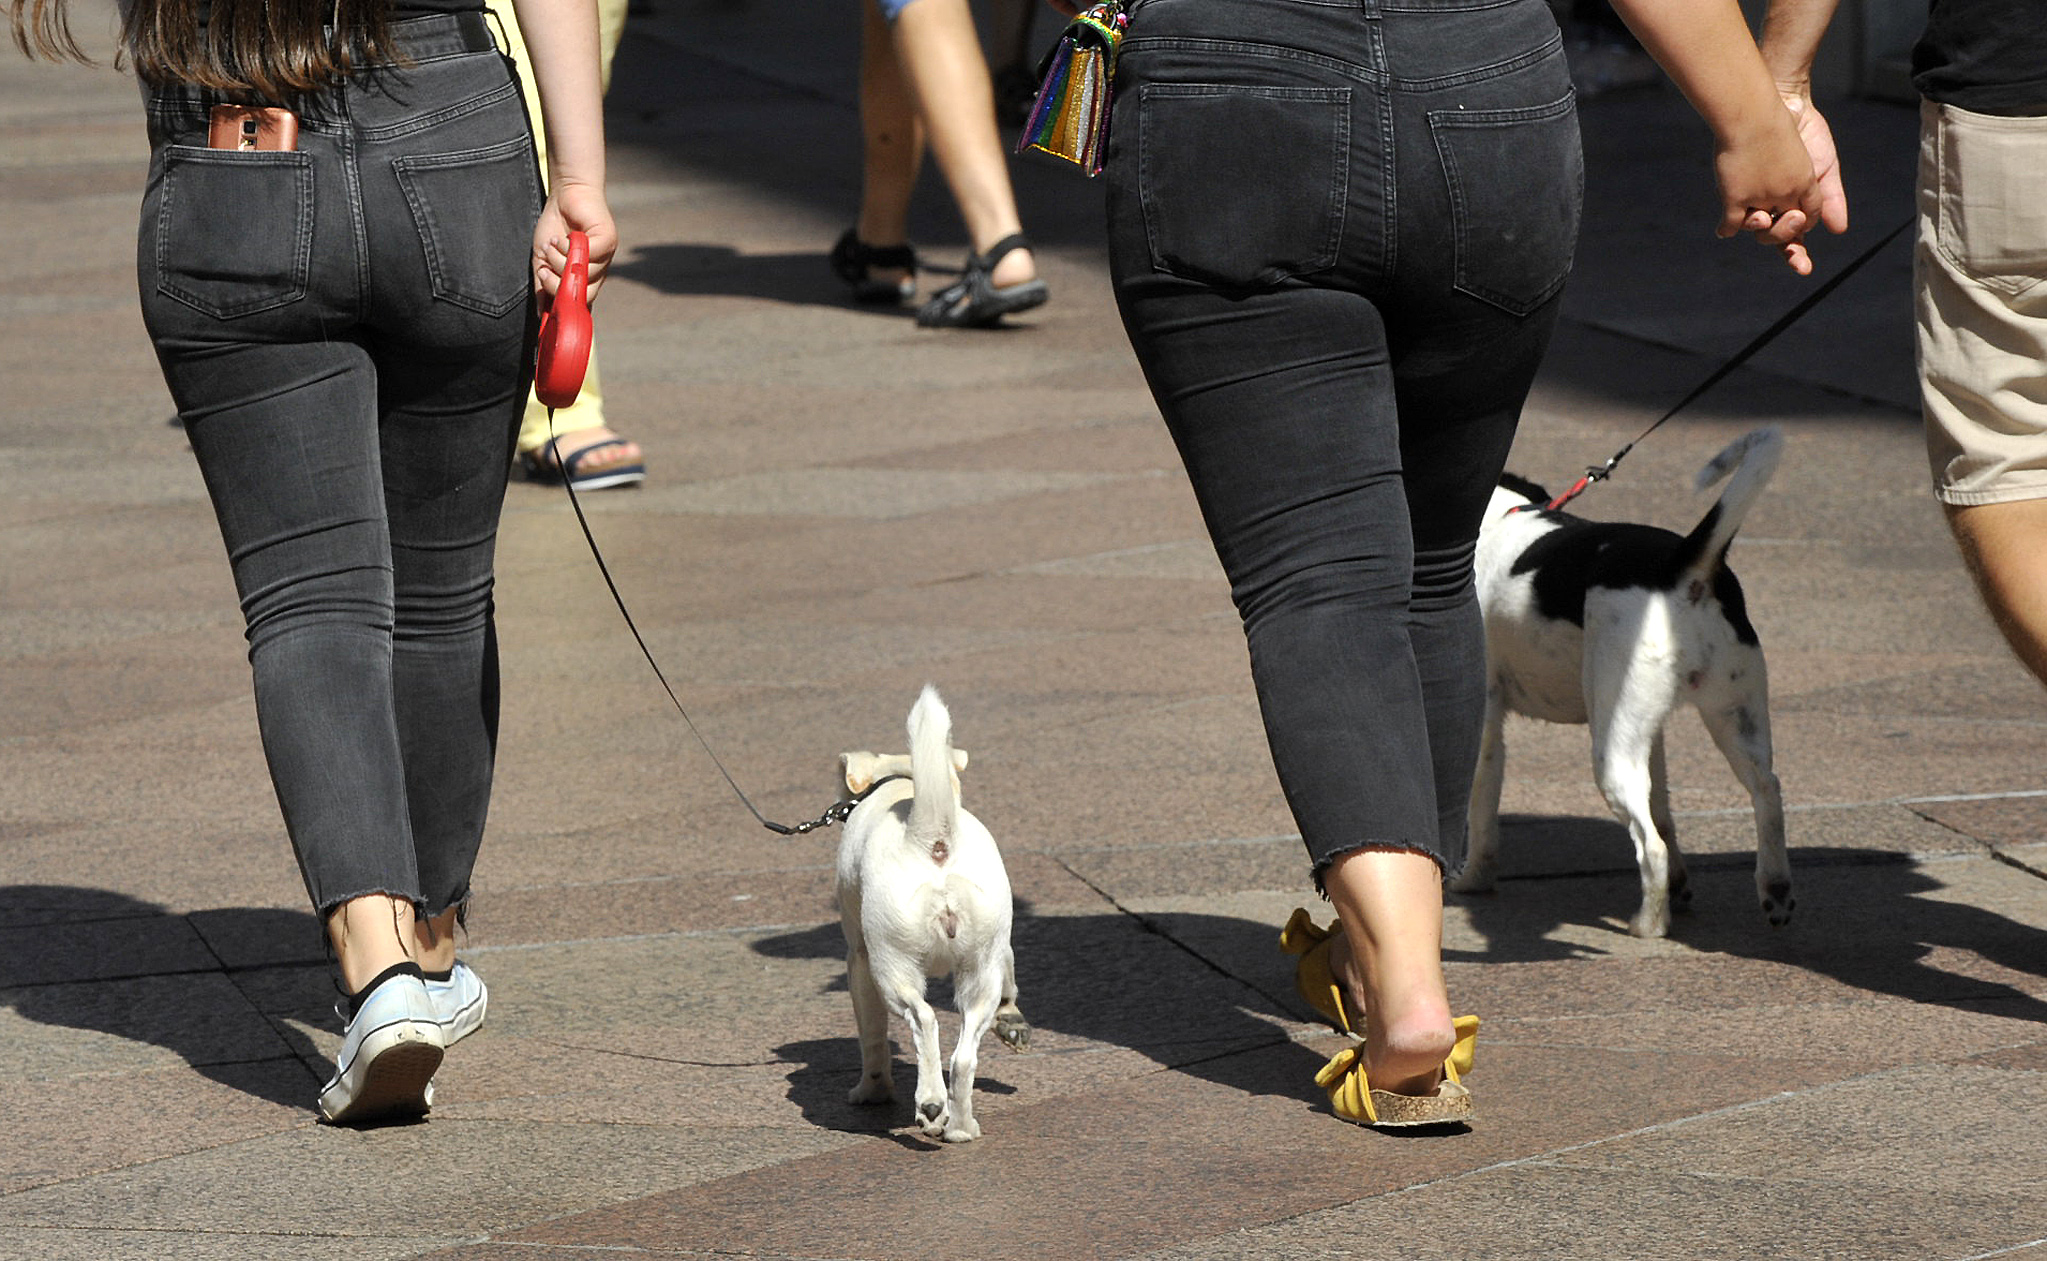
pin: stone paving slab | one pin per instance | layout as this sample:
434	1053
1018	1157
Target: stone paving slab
58	1244
1535	1211
1155	1141
318	1180
842	507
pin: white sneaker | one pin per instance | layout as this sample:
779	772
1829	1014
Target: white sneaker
388	1056
459	1002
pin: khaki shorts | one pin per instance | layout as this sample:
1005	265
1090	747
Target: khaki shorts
1980	276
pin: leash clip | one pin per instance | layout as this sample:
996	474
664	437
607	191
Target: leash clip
1593	473
839	813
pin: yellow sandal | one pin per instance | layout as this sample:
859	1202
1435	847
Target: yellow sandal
1352	1096
1312	977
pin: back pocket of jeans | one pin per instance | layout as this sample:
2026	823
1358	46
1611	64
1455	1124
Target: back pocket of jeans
475	211
1242	187
1516	178
234	230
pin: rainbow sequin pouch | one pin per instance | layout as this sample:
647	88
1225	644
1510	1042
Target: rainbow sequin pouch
1070	118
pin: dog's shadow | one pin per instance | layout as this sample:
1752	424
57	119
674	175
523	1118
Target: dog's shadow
210	986
1202	993
1198	993
1875	920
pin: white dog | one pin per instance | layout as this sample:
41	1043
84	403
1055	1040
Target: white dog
1613	624
922	893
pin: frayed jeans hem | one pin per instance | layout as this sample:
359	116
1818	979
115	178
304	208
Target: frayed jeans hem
1320	871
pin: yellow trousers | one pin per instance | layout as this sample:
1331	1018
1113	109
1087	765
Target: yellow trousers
587	412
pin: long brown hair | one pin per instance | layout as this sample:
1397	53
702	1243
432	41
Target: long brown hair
271	50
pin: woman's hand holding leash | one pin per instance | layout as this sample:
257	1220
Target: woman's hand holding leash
580	208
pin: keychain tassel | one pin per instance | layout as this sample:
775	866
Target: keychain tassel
1070	118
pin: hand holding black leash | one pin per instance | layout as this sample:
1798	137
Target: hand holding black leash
1600	472
566	335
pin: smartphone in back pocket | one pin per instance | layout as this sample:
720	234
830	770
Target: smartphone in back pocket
253	127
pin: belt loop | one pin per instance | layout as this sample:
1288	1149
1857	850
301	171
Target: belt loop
1372	9
500	41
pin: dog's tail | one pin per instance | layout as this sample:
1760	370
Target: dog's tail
1748	463
936	800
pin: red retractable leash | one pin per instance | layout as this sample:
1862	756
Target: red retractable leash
566	335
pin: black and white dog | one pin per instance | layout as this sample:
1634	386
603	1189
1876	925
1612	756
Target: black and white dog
1613	624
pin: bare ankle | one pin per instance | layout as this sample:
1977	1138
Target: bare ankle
370	934
433	941
1405	1055
1014	268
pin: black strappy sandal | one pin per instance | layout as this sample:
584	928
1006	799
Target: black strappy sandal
853	259
973	301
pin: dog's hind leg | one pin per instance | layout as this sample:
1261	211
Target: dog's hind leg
870	1016
1481	854
1628	701
1743	734
1666	827
906	998
1010	1025
1624	778
979	995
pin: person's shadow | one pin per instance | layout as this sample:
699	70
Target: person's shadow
803	279
211	986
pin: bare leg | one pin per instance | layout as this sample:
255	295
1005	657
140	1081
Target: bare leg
2002	545
433	941
1389	961
939	53
370	934
892	140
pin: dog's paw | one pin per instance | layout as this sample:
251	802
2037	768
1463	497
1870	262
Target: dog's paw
933	1118
965	1132
1012	1029
872	1090
1651	921
1778	903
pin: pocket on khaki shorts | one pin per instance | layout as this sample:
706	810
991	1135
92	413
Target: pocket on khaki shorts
1991	175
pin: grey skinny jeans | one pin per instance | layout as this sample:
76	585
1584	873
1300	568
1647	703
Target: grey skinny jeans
1338	230
346	330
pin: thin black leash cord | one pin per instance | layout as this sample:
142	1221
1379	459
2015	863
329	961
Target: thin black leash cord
834	815
1599	473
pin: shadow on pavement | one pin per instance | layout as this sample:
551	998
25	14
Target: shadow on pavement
204	986
719	270
797	279
1120	980
1195	992
1864	917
